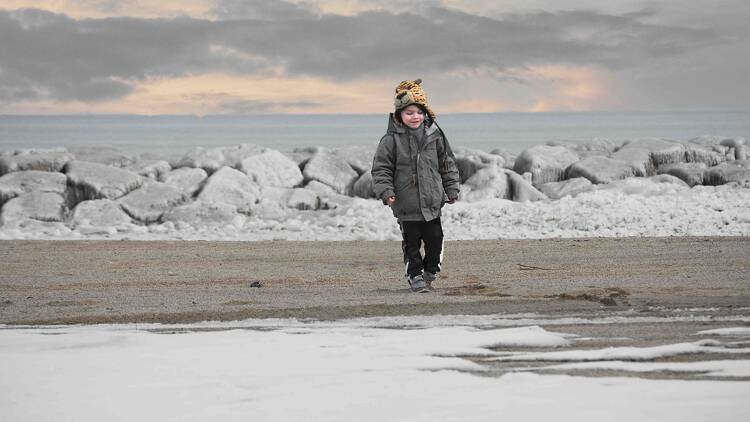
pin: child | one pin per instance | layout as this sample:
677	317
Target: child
414	172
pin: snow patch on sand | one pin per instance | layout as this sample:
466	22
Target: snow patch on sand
319	371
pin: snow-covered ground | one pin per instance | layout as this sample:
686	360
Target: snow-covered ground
630	208
388	368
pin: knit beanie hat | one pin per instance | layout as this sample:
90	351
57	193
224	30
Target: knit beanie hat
411	92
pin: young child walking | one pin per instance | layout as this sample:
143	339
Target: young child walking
414	172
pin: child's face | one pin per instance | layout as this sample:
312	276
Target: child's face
412	116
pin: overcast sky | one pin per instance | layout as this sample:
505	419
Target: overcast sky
346	56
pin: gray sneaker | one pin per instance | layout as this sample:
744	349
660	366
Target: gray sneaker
429	278
418	284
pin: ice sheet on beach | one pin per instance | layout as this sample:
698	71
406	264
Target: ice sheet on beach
323	371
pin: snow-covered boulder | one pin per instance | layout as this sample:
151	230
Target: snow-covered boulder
469	161
586	148
42	206
303	199
102	154
521	189
100	215
690	173
152	169
212	159
187	179
150	201
332	170
232	187
545	163
19	182
731	171
570	187
598	169
272	168
646	155
98	181
201	213
363	186
489	182
52	160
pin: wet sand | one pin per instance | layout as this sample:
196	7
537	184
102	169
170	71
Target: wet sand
61	282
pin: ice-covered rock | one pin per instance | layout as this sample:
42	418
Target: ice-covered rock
598	169
357	156
102	154
647	186
99	181
232	187
150	201
212	159
52	160
742	153
730	171
521	189
303	199
740	146
708	155
508	157
645	155
208	159
42	206
100	215
19	182
363	186
331	170
545	163
469	161
272	168
586	148
570	187
188	179
201	213
274	200
489	182
329	198
152	169
235	154
668	178
690	173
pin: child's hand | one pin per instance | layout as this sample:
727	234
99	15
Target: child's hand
391	200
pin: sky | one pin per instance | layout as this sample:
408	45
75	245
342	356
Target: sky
346	56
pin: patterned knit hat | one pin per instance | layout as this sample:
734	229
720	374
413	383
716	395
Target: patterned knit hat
411	92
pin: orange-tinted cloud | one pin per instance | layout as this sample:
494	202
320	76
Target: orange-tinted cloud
233	94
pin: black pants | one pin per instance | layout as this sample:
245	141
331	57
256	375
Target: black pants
416	232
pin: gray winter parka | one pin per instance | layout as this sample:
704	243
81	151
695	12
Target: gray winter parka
421	179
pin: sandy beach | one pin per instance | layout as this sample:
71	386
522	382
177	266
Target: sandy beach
63	282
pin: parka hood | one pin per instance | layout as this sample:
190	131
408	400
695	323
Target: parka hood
394	126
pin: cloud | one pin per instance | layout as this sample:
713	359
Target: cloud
53	55
261	9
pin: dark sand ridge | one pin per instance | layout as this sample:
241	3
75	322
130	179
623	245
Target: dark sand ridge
182	281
